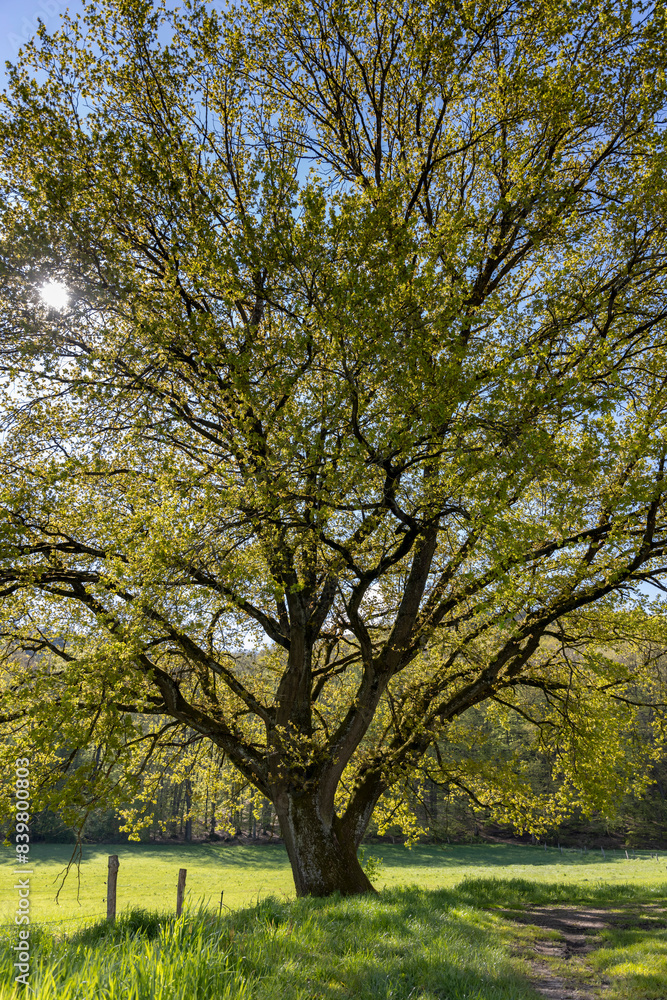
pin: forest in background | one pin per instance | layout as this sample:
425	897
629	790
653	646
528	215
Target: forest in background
446	814
195	801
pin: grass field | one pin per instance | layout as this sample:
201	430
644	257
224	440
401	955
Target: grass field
148	873
438	930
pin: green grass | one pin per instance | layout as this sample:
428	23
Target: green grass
443	936
634	958
147	878
141	957
148	874
403	945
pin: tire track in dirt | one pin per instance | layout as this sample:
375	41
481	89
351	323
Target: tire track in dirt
578	930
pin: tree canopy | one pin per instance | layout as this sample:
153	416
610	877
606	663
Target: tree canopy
363	364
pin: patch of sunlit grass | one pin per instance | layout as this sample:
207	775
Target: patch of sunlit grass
634	961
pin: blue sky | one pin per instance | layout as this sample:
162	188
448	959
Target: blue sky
18	21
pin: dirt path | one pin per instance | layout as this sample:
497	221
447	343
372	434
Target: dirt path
578	930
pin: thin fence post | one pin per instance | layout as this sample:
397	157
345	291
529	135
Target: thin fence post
112	876
220	908
180	892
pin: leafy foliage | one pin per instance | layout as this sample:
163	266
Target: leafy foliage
363	364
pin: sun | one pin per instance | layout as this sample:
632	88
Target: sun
54	294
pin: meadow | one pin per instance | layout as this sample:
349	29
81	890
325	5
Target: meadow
148	873
441	927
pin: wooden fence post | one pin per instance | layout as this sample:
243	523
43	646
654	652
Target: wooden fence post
180	892
111	887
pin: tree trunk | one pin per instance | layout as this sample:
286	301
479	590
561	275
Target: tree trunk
433	806
188	809
323	856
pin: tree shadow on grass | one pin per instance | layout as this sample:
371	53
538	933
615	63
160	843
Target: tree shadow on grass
633	954
405	943
516	892
489	856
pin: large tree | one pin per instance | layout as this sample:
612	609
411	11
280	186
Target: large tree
363	362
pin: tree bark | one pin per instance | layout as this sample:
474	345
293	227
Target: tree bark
188	809
323	855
